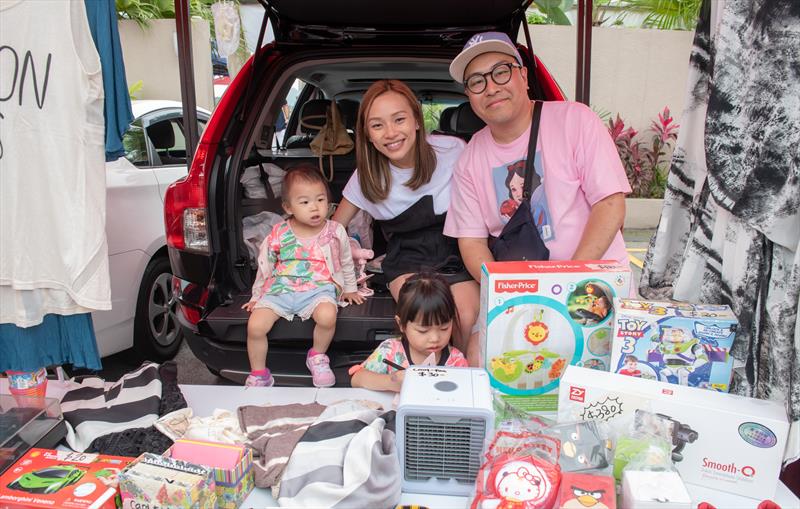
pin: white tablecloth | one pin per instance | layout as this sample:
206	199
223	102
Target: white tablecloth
203	399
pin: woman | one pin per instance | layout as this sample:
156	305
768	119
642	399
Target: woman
403	181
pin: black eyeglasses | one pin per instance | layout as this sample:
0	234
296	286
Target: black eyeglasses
500	73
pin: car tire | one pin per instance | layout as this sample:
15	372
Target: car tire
157	335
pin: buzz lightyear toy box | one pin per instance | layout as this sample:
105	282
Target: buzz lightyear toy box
539	317
684	344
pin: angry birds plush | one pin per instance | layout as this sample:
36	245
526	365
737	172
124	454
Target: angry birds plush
585	491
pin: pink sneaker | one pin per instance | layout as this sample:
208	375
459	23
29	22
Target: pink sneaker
259	381
320	368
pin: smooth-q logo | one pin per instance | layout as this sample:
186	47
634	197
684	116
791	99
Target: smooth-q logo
516	286
729	468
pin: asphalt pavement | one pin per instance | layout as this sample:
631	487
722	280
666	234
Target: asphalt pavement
192	371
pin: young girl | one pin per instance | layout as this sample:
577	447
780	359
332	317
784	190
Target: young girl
426	316
403	181
303	264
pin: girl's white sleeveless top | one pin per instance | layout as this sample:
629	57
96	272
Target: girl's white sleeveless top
53	251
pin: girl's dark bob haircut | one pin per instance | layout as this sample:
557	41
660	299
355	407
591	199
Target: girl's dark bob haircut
426	298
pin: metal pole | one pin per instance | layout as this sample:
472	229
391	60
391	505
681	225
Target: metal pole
584	52
183	28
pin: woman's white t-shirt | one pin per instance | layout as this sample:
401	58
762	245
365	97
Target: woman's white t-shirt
447	149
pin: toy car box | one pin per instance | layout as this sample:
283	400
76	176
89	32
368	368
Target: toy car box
63	479
232	467
720	441
156	482
538	317
686	344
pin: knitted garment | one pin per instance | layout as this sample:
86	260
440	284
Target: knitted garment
133	442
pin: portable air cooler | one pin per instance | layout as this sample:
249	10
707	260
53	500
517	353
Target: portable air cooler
444	417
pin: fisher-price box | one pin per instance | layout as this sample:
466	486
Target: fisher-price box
63	479
686	344
538	317
720	441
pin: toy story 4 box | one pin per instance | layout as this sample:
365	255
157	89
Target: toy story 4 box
62	479
686	344
720	441
538	317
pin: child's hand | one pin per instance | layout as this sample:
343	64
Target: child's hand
249	306
397	380
353	298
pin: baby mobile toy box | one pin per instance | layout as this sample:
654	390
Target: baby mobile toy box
539	317
685	344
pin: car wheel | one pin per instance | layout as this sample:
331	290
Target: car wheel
157	334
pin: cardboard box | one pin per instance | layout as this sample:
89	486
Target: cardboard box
538	317
686	344
62	479
720	441
158	482
232	467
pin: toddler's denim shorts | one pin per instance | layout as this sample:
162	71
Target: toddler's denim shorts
302	304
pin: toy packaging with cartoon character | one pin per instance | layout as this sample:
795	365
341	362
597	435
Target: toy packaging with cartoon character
587	491
537	318
686	344
63	479
717	440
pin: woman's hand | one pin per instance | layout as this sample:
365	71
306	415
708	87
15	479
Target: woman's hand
353	298
249	306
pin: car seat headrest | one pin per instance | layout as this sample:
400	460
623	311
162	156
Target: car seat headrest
348	109
161	135
312	116
465	121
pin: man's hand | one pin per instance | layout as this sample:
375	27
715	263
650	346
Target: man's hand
353	298
249	306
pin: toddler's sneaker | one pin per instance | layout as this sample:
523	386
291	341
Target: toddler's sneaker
320	367
259	381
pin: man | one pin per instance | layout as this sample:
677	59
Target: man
579	204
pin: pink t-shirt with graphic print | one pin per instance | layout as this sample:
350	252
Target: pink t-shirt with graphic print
576	165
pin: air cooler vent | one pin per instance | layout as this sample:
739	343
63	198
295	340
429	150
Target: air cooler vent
443	449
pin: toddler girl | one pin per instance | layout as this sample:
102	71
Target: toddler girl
303	265
426	316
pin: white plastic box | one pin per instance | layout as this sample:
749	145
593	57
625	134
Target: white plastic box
538	317
720	441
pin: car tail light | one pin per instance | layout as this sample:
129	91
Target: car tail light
185	204
192	298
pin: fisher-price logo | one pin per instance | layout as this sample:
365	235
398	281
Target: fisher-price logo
517	286
627	328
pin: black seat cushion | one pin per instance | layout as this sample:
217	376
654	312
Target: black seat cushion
465	122
348	109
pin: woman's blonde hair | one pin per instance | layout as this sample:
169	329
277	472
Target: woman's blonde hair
374	175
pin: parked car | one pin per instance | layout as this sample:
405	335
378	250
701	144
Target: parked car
143	307
335	51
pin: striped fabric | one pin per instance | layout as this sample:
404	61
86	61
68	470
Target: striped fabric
95	408
347	458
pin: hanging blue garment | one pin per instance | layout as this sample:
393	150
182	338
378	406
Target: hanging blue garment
58	340
102	15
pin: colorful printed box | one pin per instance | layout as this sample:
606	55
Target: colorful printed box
158	482
539	317
720	441
583	491
685	344
63	479
232	467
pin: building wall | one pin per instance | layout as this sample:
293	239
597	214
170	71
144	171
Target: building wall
635	72
151	55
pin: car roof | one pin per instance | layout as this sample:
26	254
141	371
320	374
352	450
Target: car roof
142	107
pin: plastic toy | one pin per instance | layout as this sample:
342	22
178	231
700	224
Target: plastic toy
583	446
360	258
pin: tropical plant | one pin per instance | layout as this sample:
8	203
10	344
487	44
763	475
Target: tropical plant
644	161
550	12
665	14
143	11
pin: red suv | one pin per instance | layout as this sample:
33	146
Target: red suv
323	52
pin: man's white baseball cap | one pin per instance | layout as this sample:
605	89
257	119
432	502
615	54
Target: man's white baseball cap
478	44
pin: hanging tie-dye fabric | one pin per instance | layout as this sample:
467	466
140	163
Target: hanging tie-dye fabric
730	229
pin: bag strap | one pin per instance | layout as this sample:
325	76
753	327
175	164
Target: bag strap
529	169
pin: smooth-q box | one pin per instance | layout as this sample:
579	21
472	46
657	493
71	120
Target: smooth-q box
539	317
720	441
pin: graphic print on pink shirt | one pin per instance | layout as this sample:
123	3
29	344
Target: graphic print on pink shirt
509	180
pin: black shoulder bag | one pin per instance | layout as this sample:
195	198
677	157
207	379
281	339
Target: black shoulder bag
520	239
